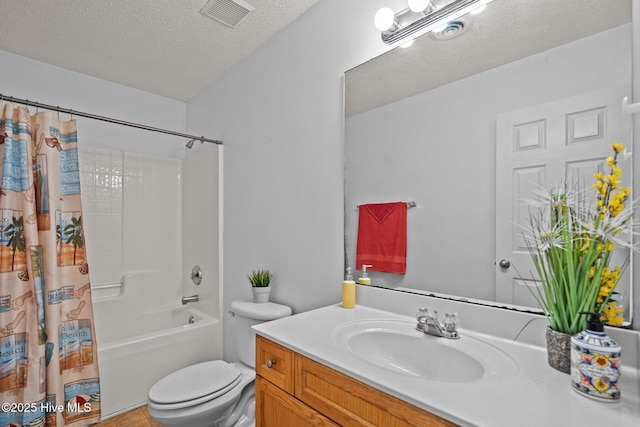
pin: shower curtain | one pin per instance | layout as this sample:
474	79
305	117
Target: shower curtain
48	353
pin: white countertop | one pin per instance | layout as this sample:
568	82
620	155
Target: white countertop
537	395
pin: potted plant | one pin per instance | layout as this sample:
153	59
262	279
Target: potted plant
571	243
260	280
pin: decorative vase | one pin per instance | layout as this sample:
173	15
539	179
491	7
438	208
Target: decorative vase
559	350
261	294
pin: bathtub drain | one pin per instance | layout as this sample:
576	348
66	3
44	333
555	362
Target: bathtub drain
192	320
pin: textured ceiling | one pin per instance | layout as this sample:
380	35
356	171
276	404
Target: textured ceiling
169	48
506	31
166	47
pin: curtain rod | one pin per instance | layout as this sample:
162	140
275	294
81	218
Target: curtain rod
105	119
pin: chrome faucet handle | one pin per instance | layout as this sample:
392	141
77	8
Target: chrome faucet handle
451	322
422	314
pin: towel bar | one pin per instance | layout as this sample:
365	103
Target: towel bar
411	204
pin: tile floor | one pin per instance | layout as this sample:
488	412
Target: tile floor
137	418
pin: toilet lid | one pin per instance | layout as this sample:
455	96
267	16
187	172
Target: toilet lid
208	379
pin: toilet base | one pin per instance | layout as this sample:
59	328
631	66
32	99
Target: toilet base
244	413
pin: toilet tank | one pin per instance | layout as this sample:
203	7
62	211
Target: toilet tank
247	314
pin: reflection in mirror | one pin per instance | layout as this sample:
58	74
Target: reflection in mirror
425	123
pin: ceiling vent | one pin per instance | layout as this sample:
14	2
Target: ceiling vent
453	29
229	12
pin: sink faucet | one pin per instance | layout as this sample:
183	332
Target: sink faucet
429	324
192	298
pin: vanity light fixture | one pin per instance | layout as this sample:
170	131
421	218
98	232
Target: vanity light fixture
421	17
424	6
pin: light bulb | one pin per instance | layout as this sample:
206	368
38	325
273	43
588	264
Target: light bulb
478	10
407	44
384	19
418	5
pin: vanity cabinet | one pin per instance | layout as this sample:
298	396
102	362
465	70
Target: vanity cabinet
293	390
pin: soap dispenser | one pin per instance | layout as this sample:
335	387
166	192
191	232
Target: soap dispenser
365	279
348	290
595	362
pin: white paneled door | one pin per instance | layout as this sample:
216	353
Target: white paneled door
544	145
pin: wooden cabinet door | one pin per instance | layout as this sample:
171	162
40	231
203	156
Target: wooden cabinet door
275	408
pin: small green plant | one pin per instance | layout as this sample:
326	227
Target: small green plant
260	278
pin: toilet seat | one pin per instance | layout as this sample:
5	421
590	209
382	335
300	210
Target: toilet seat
195	384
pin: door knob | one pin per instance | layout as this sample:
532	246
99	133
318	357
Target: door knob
504	263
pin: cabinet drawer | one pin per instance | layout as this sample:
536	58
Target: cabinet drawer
274	363
349	402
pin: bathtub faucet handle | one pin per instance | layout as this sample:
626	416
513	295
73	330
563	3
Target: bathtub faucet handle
196	275
192	298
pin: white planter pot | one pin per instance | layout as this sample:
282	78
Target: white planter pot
261	294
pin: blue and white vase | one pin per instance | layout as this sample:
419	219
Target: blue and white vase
595	363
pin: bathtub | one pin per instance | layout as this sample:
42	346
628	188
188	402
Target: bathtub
137	348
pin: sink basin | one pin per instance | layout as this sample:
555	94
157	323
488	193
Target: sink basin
396	346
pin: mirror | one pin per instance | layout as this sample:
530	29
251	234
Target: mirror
421	126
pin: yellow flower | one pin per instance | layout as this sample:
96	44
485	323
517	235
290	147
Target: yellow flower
612	314
605	290
618	148
617	172
608	282
616	321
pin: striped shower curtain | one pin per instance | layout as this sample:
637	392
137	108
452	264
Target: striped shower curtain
48	353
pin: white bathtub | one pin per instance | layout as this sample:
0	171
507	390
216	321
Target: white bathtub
137	348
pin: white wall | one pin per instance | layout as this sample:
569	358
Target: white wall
36	81
280	115
438	148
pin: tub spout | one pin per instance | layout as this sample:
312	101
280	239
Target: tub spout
192	298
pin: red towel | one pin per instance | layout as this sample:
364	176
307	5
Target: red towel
382	237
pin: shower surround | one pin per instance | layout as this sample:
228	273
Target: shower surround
148	220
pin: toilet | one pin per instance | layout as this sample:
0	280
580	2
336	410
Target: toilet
216	393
